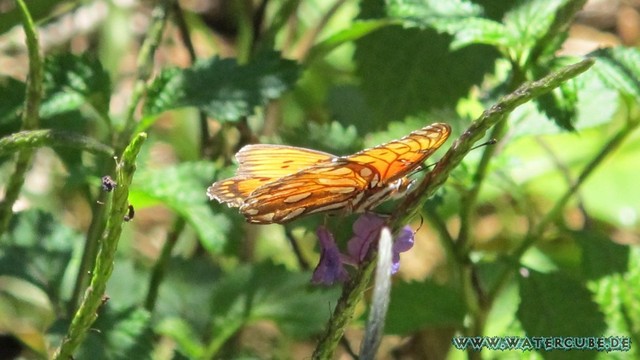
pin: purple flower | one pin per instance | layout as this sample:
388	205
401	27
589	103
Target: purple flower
366	231
403	242
330	268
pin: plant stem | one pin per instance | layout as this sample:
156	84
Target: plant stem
31	139
30	117
87	312
353	290
159	269
461	147
144	68
351	295
537	231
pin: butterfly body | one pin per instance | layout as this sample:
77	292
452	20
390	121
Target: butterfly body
277	184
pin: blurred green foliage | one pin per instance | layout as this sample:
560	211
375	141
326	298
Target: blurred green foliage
192	280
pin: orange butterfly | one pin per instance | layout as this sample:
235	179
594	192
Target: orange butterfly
277	183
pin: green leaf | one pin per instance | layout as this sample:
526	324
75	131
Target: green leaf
38	248
11	103
183	189
429	12
25	312
270	292
457	18
355	31
560	105
223	88
421	305
72	81
535	25
620	69
417	73
533	119
600	255
194	276
119	334
551	303
618	296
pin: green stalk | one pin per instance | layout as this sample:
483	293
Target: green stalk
30	117
32	139
88	310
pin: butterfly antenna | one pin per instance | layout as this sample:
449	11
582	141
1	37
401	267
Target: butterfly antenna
419	226
486	143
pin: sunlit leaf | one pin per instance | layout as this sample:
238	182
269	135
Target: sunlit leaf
224	89
183	189
619	68
72	81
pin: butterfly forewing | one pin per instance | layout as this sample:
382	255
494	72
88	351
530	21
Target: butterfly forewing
261	164
277	184
276	161
395	159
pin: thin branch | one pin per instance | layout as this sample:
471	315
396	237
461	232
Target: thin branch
470	197
536	232
160	268
476	131
188	44
353	289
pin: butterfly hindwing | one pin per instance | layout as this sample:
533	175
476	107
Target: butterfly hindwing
326	187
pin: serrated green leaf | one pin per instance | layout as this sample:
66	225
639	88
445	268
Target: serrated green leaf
551	303
119	334
620	69
71	81
422	305
600	255
417	73
560	105
183	189
223	88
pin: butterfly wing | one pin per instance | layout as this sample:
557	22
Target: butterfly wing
397	158
352	183
261	164
324	187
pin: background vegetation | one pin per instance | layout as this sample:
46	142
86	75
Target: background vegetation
536	235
